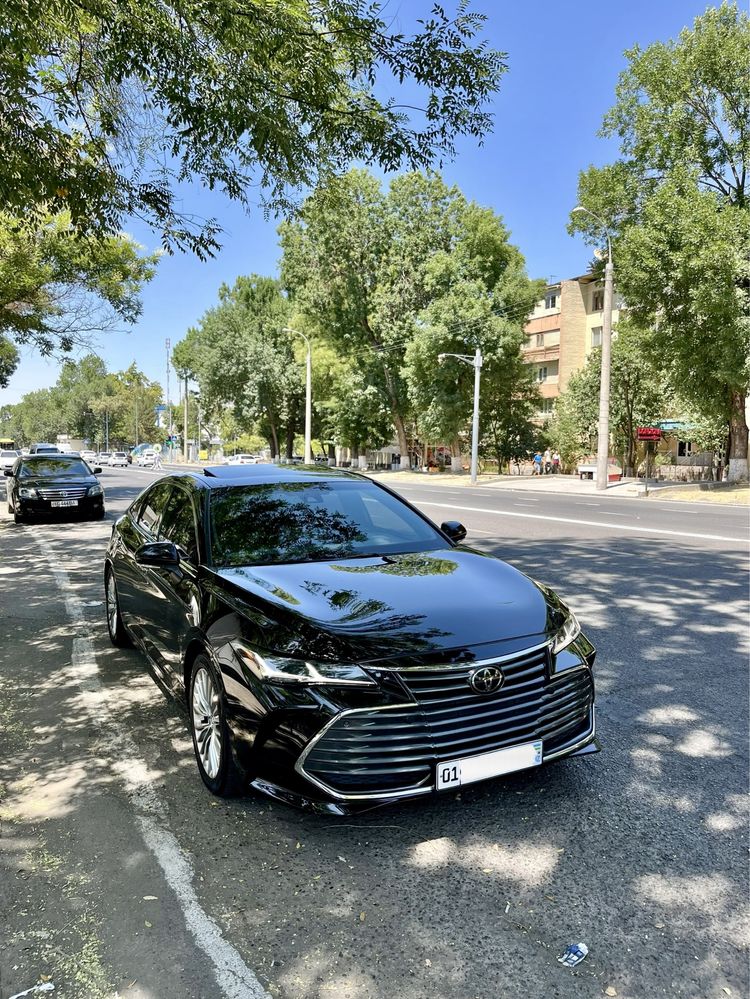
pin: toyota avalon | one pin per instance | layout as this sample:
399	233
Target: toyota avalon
337	649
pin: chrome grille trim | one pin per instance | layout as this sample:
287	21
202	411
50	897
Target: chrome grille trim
447	720
72	492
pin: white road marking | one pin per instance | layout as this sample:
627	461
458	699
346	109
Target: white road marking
234	978
587	523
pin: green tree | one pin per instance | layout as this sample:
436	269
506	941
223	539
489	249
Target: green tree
108	106
240	356
9	358
638	397
417	265
59	288
677	202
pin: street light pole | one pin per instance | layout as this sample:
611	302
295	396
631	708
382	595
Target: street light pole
602	445
185	421
308	394
476	363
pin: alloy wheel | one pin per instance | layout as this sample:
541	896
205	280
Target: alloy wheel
207	722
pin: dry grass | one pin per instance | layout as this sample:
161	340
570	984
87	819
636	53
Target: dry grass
719	493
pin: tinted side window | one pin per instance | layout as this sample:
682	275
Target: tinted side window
152	506
178	524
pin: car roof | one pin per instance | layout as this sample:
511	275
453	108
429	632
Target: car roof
217	476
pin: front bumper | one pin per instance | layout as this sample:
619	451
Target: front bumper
367	754
85	506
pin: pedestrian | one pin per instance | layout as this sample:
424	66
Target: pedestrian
157	466
555	462
537	466
548	462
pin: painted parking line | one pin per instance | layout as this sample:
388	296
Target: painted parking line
589	523
234	979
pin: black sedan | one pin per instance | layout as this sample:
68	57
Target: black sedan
53	484
335	648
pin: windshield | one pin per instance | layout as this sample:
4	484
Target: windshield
51	465
275	523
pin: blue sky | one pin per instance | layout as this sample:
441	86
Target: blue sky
564	59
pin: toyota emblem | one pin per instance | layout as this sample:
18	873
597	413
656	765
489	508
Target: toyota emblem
486	680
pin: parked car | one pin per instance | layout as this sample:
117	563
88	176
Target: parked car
53	483
8	457
243	459
118	459
146	457
335	647
44	449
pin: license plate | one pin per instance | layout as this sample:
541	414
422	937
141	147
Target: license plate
454	773
64	503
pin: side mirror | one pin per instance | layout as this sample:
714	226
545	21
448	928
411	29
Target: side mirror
455	530
97	471
161	554
7	471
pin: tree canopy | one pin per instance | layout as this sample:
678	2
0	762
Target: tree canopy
392	278
109	105
59	288
677	205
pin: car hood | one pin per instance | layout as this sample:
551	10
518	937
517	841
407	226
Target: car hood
395	605
57	481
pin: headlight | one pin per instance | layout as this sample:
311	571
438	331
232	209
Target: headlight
279	670
570	630
95	490
28	492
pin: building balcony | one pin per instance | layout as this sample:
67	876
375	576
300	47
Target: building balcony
534	354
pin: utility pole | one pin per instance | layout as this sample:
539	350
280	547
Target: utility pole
602	445
106	430
476	363
169	405
308	394
185	421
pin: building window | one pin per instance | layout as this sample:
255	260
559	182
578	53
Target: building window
540	339
596	336
598	303
541	373
550	300
547	406
684	449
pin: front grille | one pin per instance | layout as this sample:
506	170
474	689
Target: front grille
71	492
388	749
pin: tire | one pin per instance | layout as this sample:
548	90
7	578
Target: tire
18	518
118	636
212	741
99	515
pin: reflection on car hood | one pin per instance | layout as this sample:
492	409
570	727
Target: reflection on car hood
369	608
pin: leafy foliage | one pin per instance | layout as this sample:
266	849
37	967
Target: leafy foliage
58	288
109	105
393	278
677	203
84	398
638	397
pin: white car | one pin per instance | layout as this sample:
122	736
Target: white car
118	458
146	457
8	457
103	457
243	459
89	457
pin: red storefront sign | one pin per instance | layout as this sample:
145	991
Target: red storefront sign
649	434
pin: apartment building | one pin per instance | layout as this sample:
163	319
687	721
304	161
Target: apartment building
561	332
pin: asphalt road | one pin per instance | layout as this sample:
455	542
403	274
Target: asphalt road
119	873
